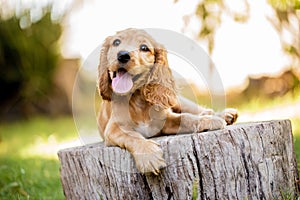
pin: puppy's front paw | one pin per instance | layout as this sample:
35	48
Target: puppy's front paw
207	111
149	157
210	122
230	115
213	123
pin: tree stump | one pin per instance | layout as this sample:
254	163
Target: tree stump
243	161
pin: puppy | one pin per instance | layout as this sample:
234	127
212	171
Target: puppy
140	99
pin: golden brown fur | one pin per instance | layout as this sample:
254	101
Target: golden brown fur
151	106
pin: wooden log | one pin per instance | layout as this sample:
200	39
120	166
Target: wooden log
243	161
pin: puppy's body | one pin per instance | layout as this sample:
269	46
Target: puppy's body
140	101
133	113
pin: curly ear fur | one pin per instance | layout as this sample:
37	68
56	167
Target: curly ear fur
104	81
160	88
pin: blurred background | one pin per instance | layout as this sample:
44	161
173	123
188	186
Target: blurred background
255	46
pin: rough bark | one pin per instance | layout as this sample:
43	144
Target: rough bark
243	161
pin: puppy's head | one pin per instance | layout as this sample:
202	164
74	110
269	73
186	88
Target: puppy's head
132	60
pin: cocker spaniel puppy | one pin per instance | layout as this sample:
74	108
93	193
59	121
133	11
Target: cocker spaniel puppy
140	100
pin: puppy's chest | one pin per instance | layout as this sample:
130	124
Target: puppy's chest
148	119
147	129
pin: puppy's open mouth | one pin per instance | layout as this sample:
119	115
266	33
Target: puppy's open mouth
122	81
120	72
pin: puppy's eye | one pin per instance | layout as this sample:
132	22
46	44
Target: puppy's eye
144	47
116	42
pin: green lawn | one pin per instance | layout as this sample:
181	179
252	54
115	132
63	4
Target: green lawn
296	133
29	168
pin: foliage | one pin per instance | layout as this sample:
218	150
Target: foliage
210	12
28	59
287	24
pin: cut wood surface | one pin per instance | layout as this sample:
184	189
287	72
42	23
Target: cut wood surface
244	161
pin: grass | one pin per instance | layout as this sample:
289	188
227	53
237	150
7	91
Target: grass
30	178
254	104
296	133
29	167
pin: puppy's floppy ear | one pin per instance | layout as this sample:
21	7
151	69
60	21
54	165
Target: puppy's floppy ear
160	88
104	80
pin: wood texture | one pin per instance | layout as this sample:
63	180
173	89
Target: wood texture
243	161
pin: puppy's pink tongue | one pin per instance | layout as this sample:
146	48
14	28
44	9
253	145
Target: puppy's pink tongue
122	83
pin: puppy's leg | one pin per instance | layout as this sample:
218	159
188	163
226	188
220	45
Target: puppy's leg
188	123
185	105
147	154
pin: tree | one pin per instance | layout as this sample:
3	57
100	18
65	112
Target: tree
210	12
287	23
245	161
29	52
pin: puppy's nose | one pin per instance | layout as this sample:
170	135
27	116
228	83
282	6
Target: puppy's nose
123	56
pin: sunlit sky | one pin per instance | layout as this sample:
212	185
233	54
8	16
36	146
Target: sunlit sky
240	49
